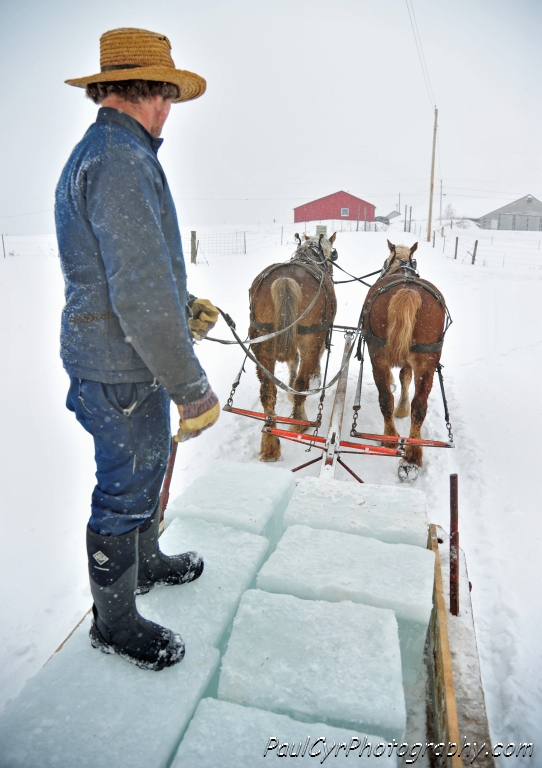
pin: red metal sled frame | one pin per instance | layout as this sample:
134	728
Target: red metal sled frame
320	442
403	440
267	417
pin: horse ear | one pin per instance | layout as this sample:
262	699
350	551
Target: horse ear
332	238
390	246
306	236
414	248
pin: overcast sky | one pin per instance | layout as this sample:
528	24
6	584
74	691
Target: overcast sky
305	97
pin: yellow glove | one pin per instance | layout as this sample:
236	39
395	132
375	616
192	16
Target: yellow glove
204	317
197	416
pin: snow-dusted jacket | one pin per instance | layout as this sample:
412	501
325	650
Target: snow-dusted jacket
122	258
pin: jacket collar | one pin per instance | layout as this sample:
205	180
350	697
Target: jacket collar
109	115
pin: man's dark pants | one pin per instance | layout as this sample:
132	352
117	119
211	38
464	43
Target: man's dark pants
130	424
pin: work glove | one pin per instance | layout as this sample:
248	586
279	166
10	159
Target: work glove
204	317
197	416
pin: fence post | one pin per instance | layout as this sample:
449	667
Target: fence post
404	229
456	244
357	223
3	246
474	252
454	547
434	233
444	244
245	240
193	247
410	220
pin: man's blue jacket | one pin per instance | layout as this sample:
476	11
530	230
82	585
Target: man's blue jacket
122	258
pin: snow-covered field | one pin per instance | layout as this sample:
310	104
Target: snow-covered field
492	362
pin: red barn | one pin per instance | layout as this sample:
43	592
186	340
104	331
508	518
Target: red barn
339	205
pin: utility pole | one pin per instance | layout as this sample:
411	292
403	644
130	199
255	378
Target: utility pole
432	186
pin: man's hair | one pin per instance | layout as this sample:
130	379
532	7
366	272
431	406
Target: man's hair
132	90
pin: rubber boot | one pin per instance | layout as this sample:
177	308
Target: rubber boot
157	568
117	627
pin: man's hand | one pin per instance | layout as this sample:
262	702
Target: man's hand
197	416
204	317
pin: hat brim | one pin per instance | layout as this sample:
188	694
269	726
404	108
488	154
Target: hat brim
191	85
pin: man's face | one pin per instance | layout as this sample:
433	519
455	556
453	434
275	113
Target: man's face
159	114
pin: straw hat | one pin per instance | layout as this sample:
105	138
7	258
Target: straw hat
136	54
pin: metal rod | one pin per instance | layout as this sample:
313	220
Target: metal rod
454	547
349	470
307	464
335	425
456	244
164	494
4	246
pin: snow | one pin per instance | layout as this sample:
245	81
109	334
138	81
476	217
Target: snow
492	372
87	708
395	515
202	610
226	735
328	565
312	660
252	499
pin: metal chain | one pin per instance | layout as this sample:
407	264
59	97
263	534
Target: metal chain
236	382
445	402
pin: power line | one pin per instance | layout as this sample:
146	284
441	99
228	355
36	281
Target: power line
418	41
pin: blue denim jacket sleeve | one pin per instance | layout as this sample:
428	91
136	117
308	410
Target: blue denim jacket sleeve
125	203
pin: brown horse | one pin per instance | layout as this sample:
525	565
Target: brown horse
278	296
404	324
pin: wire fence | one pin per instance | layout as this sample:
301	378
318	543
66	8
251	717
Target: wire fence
31	245
494	252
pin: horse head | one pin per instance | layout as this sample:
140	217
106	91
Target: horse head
400	256
319	249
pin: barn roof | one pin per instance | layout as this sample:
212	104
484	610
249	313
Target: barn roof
334	194
526	206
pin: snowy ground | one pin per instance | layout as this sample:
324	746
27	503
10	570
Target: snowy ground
491	359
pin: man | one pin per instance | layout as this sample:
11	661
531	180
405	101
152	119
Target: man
125	338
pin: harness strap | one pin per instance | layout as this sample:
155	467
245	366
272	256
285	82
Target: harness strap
303	329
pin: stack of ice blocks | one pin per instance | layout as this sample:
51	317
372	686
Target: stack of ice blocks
316	564
249	497
87	708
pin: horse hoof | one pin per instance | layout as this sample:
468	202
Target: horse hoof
408	472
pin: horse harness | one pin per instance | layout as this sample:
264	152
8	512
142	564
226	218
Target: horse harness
318	269
406	280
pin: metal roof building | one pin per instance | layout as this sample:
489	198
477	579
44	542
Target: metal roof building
523	214
339	205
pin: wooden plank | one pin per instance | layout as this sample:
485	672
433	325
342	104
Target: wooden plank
444	724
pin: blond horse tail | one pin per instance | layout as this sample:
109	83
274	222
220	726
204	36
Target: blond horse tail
286	295
402	311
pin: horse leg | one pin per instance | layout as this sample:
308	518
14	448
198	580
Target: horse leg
292	367
270	445
310	349
423	378
381	375
403	406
